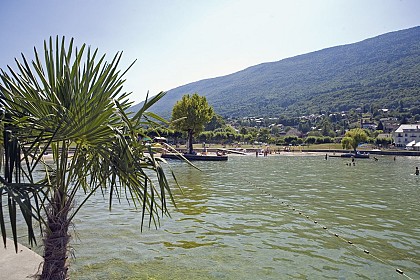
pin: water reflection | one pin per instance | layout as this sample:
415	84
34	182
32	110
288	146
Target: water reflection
194	195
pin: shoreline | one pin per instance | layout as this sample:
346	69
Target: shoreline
311	152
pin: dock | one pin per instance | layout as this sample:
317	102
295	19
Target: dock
192	157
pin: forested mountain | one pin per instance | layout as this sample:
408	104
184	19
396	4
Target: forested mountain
383	71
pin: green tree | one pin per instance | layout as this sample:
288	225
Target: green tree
315	133
215	122
290	138
346	142
353	138
385	142
263	135
311	140
71	104
275	130
326	127
206	136
243	130
304	127
190	114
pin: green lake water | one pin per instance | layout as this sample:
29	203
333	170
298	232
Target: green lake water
264	218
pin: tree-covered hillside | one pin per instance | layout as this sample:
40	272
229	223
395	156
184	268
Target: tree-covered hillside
382	72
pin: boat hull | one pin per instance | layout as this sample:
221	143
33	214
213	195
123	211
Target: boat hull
355	155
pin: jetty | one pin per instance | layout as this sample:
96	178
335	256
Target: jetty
194	157
229	151
352	155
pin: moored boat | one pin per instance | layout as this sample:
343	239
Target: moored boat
357	155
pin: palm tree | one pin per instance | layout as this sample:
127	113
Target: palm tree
71	104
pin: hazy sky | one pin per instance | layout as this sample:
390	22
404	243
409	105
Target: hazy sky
178	42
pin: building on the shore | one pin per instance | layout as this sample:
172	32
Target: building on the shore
413	146
389	124
407	134
384	135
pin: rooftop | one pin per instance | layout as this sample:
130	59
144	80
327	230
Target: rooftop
405	127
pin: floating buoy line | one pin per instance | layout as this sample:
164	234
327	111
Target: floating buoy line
325	228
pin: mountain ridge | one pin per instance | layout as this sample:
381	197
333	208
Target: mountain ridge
382	70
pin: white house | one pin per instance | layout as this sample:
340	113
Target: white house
405	134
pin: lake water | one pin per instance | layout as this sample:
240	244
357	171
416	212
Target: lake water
276	217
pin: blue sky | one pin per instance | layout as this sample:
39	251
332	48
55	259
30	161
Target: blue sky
181	41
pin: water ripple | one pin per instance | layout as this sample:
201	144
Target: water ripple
231	223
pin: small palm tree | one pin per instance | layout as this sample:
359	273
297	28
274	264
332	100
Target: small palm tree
71	104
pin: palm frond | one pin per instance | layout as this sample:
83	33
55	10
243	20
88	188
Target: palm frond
70	101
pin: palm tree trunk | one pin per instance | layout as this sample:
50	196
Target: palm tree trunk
55	242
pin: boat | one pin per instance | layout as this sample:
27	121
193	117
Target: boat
357	155
192	157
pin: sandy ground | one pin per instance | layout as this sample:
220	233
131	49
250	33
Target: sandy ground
17	266
296	153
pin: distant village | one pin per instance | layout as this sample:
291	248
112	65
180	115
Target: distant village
386	128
